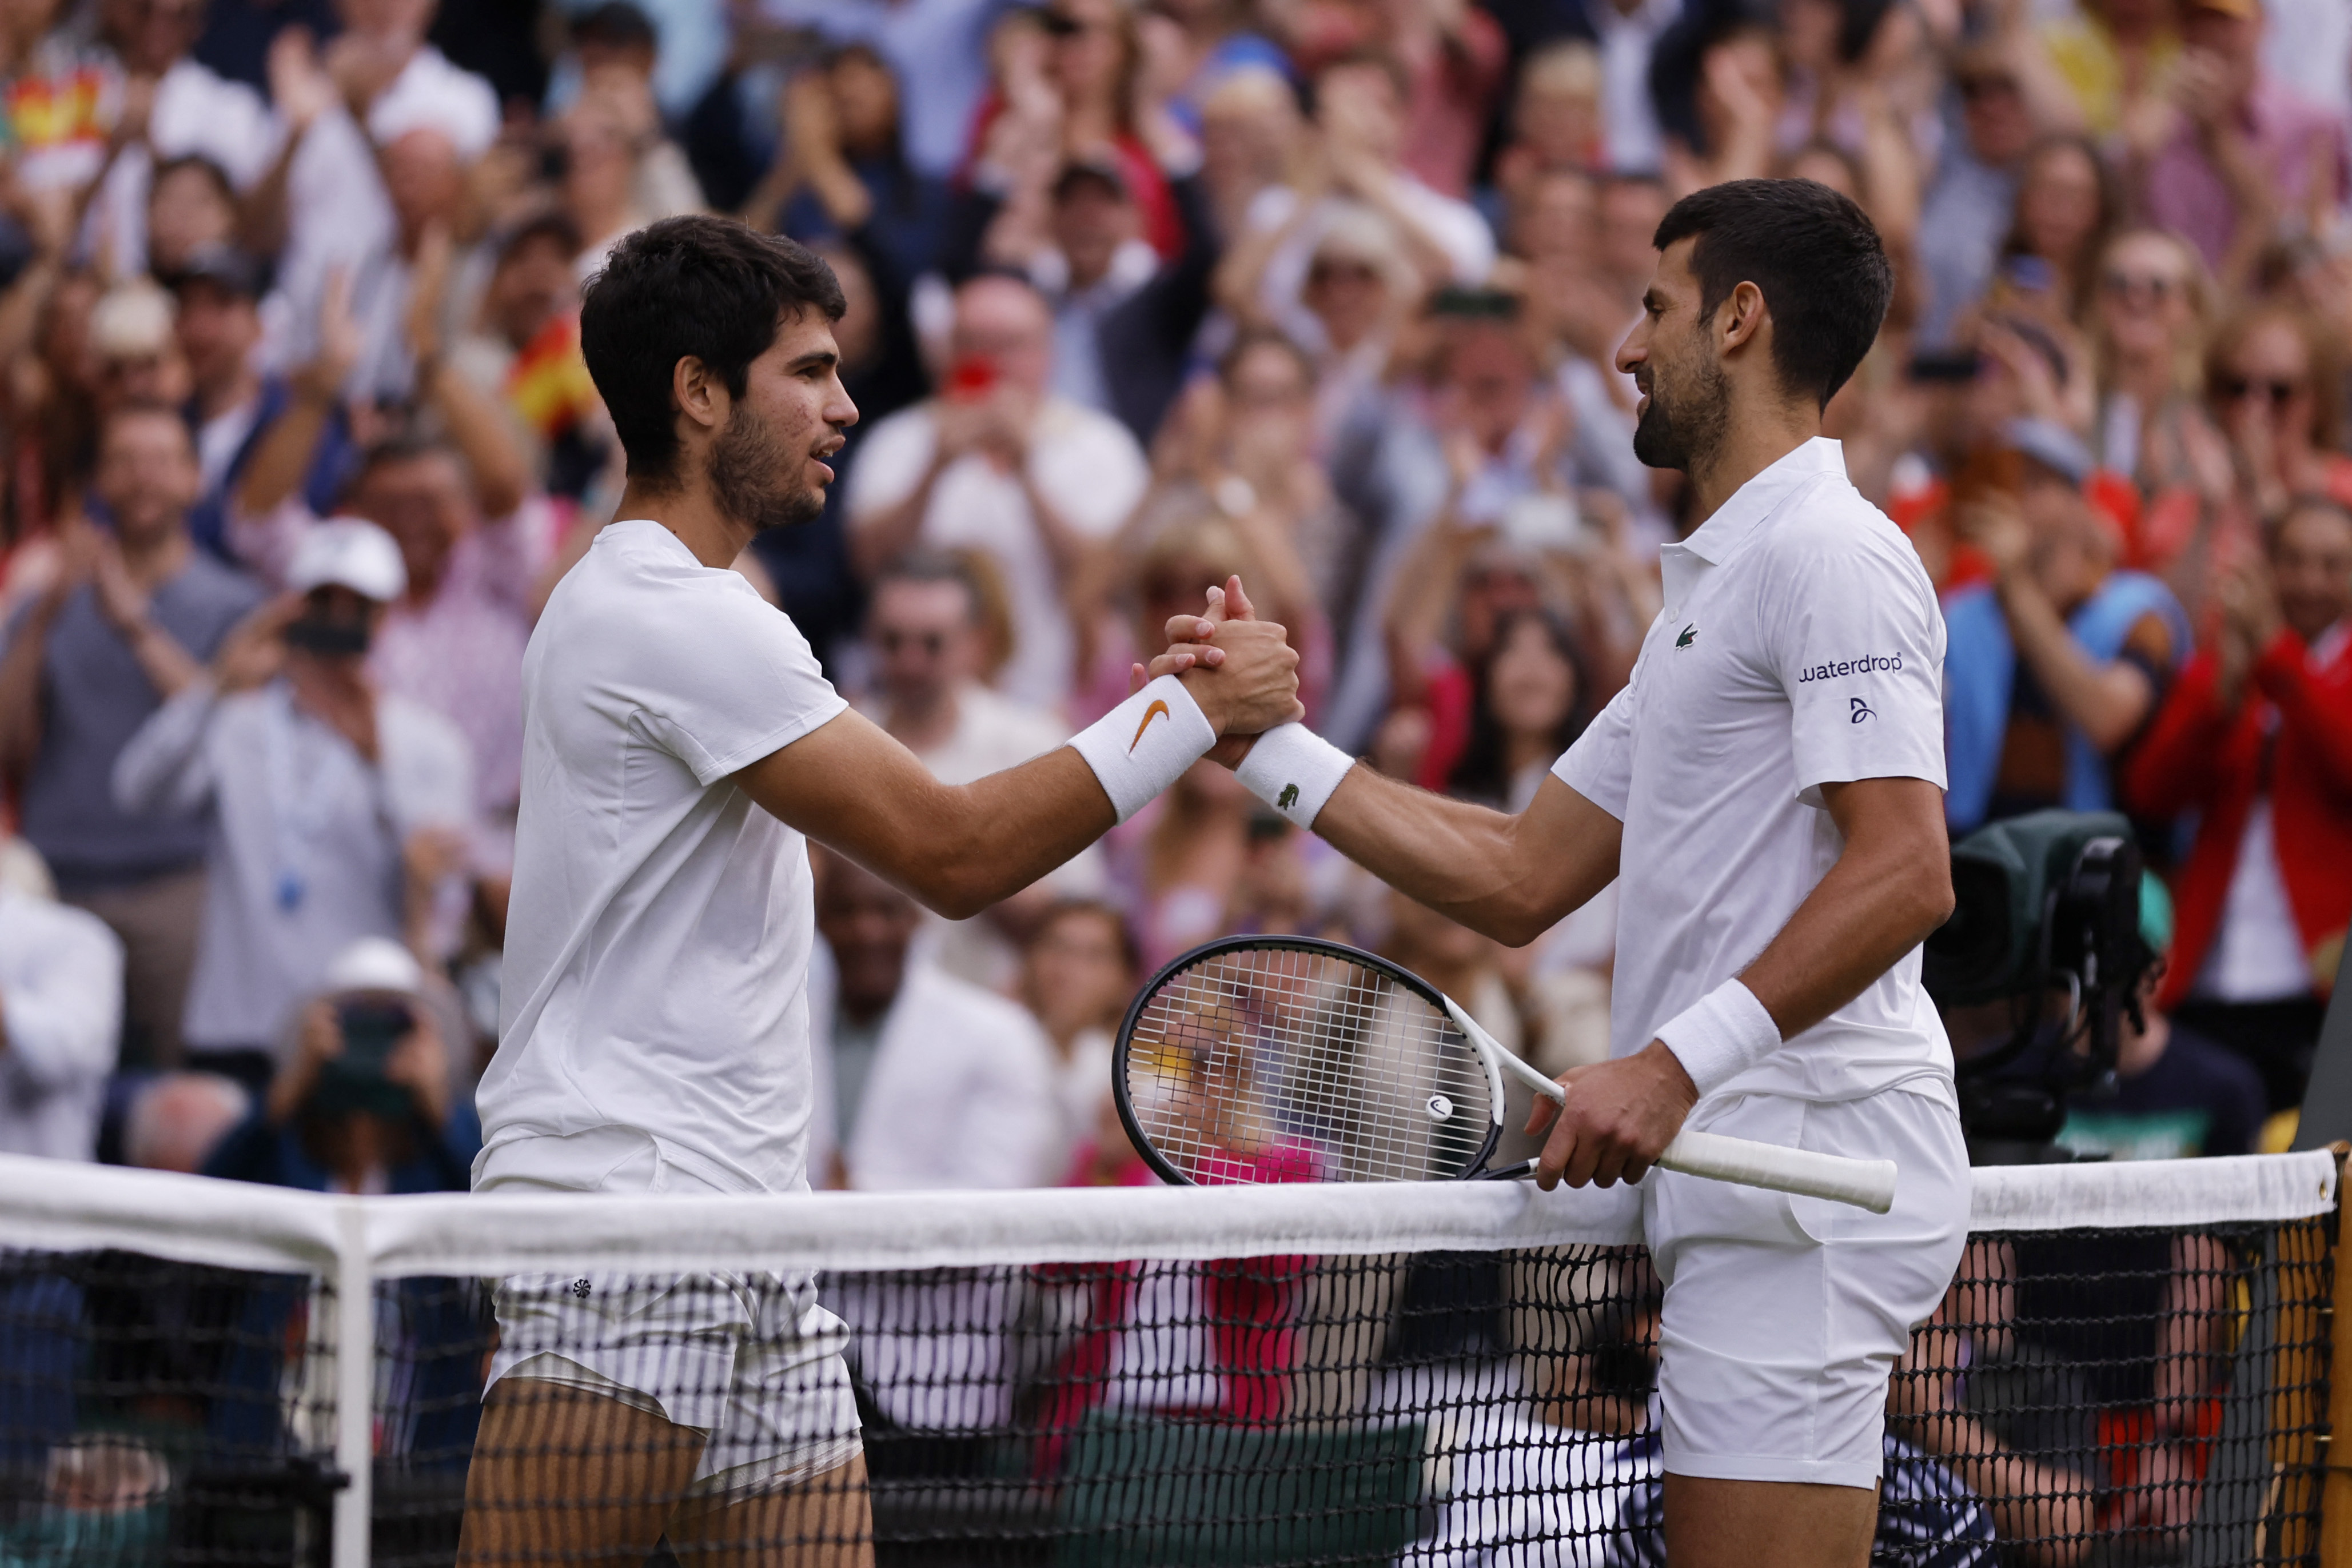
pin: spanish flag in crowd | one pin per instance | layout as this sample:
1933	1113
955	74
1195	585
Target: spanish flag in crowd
547	383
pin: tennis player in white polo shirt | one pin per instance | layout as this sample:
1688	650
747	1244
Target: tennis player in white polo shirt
679	741
1768	793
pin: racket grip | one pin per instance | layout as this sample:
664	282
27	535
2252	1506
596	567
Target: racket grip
1866	1184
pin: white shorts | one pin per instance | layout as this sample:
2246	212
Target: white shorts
749	1359
1784	1315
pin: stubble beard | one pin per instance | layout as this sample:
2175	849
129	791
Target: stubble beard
1687	436
750	471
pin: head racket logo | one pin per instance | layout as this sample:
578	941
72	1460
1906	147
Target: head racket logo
1440	1109
1156	710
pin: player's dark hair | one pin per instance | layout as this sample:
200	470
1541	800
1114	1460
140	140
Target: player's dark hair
1812	253
690	287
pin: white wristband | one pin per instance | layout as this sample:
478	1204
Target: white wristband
1140	747
1294	770
1721	1036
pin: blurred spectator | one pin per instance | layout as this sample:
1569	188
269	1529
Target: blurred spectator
1202	45
233	403
364	1103
60	1012
1124	322
1181	863
996	464
1078	974
924	1080
842	175
926	633
2256	740
2176	1094
341	195
128	625
1968	207
1249	133
1528	702
2054	667
2104	66
168	107
526	353
191	207
2066	210
2276	387
2245	150
1717	79
2154	308
1357	164
1557	120
332	813
177	1119
940	45
1450	58
1355	295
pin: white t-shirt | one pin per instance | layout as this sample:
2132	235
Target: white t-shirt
1085	463
656	962
1800	645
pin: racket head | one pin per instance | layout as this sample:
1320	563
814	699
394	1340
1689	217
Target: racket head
1253	1059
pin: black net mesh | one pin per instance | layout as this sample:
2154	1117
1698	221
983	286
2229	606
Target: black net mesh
154	1413
2082	1397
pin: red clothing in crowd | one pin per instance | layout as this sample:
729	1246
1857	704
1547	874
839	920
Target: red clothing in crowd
2199	757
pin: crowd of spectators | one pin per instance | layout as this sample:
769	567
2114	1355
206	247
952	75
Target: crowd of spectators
1323	292
1141	293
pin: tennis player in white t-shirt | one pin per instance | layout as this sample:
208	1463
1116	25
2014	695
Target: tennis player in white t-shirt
679	740
1768	793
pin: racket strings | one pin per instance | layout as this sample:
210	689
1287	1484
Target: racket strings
1280	1065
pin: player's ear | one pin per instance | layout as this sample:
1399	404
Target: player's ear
698	393
1742	317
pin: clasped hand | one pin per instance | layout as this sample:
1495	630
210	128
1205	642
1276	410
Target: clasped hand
1619	1118
1240	670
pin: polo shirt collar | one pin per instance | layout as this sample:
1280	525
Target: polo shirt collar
1719	538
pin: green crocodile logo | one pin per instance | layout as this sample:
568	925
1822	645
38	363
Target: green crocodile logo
1288	798
1690	635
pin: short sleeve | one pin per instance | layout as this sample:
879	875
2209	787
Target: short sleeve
731	679
1600	765
1856	639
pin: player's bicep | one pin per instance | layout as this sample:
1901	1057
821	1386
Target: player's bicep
848	783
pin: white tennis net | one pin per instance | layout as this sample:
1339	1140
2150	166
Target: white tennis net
2132	1367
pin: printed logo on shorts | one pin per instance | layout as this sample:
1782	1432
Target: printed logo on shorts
1690	635
1156	710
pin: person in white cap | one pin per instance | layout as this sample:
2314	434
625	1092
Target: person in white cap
334	812
365	1102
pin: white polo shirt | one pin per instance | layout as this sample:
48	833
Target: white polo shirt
1800	645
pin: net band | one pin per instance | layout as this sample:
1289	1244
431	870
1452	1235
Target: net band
62	1207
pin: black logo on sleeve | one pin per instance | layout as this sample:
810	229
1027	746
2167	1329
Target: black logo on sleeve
1861	711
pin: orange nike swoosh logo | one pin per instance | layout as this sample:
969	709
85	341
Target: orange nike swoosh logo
1156	710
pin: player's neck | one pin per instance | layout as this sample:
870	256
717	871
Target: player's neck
689	512
1758	436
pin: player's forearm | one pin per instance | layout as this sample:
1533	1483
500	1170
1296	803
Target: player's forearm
956	848
1508	877
1890	888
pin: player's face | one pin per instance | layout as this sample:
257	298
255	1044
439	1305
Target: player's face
1685	404
767	467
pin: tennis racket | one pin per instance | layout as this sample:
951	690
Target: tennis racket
1285	1059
